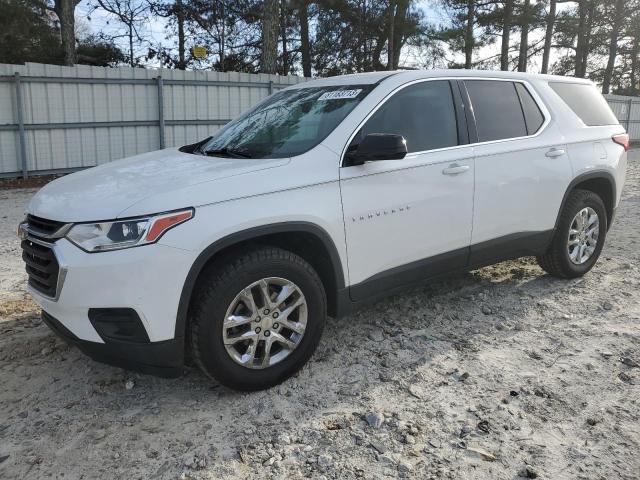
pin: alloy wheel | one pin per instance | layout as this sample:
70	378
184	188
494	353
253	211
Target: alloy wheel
265	322
583	236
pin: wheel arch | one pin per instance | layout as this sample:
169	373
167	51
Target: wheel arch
306	239
600	182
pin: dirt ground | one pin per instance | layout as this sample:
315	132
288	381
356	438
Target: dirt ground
498	374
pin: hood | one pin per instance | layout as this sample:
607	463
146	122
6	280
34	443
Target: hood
104	192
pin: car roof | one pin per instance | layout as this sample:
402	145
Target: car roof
410	75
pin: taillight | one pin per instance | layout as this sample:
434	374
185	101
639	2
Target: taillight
622	139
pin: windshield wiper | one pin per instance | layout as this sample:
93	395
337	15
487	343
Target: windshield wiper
228	152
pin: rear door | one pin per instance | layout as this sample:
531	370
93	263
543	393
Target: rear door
521	166
411	218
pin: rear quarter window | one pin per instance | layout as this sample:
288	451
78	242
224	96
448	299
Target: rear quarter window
532	115
497	109
586	102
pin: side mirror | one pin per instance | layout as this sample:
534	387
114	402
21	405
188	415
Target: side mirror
377	146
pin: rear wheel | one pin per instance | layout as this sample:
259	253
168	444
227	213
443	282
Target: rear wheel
257	319
579	238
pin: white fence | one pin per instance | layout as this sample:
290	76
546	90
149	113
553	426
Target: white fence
55	119
627	109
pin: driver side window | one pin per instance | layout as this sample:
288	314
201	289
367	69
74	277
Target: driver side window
423	113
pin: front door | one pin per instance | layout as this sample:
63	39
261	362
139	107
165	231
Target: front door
411	218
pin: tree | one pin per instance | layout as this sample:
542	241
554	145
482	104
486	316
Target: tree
586	10
460	34
270	24
176	14
618	12
228	29
305	43
580	32
131	14
406	26
631	55
548	35
469	39
506	34
27	34
353	35
390	28
525	22
65	10
100	51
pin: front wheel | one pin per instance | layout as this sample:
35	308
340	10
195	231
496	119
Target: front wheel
579	238
256	319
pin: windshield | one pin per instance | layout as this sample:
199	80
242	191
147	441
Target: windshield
287	123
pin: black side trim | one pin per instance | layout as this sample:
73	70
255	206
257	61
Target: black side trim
461	120
398	279
120	324
470	115
163	359
509	247
595	174
249	234
410	273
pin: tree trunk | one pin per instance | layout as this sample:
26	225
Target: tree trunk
587	38
65	10
583	12
400	21
613	45
269	54
506	34
182	64
222	45
633	76
391	21
468	37
131	57
362	49
283	33
305	44
548	36
524	37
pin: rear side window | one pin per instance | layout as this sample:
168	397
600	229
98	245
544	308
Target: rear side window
586	102
533	117
497	110
422	113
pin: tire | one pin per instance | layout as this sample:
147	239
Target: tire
221	287
557	260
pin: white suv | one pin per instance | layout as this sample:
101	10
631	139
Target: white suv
327	195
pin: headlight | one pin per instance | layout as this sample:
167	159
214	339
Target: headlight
102	236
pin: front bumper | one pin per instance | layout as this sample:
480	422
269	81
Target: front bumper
148	279
163	359
145	280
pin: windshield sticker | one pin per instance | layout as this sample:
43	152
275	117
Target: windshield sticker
340	94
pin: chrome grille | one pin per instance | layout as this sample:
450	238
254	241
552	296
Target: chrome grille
43	269
45	229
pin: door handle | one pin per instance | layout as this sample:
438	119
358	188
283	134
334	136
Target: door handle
555	152
455	169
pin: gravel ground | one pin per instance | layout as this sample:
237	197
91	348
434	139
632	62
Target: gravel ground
501	373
